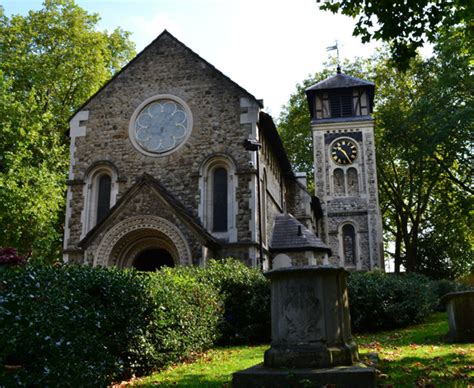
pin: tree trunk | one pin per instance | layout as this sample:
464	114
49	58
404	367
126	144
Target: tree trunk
398	248
411	256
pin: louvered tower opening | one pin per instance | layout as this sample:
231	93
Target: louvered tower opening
341	103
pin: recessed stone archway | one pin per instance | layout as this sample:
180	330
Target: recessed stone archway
153	259
122	244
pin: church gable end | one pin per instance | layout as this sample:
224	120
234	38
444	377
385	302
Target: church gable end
164	114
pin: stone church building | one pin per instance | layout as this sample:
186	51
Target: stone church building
173	163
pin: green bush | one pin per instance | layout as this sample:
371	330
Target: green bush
245	294
185	318
445	286
61	326
76	325
380	301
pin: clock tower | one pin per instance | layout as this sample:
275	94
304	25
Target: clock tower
345	170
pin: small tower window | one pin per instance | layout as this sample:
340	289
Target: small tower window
339	182
352	181
220	200
349	244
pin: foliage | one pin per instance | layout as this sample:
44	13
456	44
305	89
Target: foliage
424	126
380	301
442	287
93	318
245	295
406	25
51	61
64	325
185	318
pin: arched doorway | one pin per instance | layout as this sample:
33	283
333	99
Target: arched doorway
152	259
126	241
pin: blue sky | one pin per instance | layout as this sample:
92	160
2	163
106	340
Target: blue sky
266	46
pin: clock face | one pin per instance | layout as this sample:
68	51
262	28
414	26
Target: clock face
161	126
344	151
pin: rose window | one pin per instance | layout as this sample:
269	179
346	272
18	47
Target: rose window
161	126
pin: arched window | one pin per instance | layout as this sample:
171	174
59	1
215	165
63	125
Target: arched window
352	181
219	200
339	182
103	197
217	207
349	245
100	193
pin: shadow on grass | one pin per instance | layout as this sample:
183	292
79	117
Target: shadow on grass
454	369
433	332
192	380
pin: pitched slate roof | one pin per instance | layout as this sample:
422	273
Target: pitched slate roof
339	81
266	124
291	235
181	212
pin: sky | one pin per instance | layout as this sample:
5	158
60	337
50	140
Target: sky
266	46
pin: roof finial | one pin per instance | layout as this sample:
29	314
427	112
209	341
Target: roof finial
332	48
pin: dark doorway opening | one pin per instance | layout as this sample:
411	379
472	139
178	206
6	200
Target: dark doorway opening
153	259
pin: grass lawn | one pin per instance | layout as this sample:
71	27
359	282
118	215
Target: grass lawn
417	356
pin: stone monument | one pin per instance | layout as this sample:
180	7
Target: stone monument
460	308
311	335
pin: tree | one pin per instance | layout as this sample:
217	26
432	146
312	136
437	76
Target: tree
407	25
424	117
51	62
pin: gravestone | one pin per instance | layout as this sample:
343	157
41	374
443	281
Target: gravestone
460	308
311	336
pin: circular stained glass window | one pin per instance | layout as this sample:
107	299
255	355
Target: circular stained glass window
160	126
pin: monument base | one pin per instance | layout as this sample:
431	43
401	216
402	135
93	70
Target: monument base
311	356
354	376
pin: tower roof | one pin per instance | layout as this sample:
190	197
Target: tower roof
340	89
340	81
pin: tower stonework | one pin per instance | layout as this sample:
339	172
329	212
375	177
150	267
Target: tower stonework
345	170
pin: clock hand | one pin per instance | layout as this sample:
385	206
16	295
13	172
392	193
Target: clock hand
345	153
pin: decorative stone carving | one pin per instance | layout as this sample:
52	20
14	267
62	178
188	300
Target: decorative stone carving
310	319
301	313
120	230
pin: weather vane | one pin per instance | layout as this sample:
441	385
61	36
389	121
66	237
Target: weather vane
332	48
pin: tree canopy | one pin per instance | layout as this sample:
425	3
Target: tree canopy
51	61
407	25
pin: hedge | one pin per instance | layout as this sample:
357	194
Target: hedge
185	316
78	325
245	295
69	324
380	301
